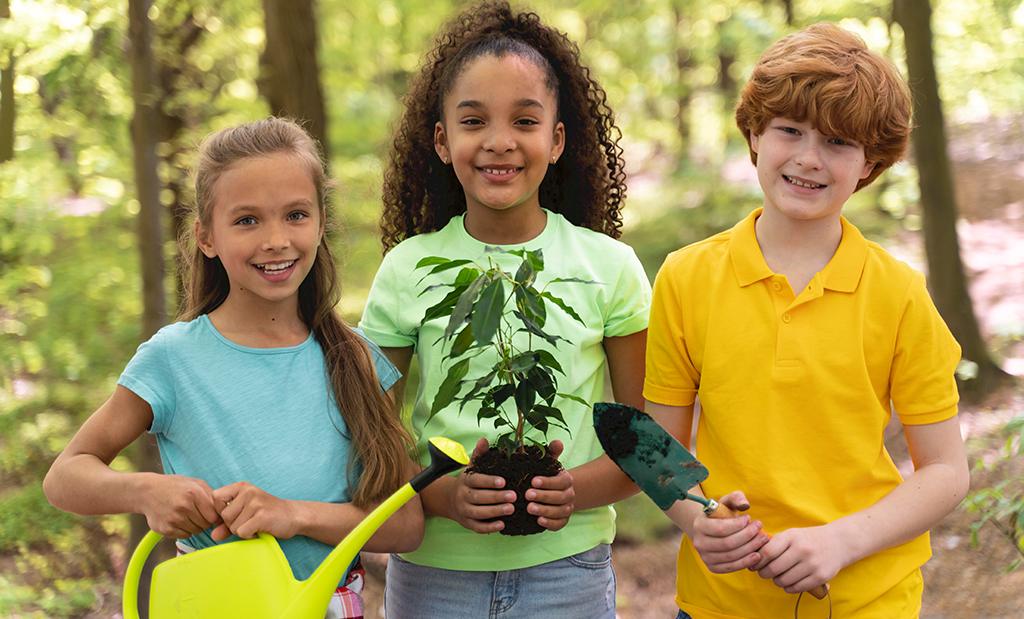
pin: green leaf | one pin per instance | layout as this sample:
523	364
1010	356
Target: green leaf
565	306
442	307
574	398
501	393
462	342
536	259
531	327
486	412
543	383
464	306
529	302
550	412
429	260
575	280
525	275
505	443
523	361
526	395
487	313
480	383
548	360
466	276
446	266
449	387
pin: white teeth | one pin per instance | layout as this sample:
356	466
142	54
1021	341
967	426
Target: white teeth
800	183
275	266
502	172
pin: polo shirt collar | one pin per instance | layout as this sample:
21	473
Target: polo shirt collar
842	273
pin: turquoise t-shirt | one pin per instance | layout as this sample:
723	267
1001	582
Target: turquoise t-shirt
225	413
617	306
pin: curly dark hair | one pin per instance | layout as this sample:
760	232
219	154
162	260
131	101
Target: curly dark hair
588	183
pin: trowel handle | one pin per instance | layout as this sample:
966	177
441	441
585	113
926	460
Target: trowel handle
714	509
130	594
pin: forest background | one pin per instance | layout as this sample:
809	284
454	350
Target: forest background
102	103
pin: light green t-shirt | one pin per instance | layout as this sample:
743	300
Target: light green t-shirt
616	306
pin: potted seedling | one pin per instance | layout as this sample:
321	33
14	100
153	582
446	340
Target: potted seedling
492	310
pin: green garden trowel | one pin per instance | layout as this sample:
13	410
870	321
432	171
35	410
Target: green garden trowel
251	578
651	457
656	462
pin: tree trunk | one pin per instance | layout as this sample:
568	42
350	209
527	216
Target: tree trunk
150	226
290	79
787	5
946	277
6	96
684	69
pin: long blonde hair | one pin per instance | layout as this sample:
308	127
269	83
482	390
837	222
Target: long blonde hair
380	441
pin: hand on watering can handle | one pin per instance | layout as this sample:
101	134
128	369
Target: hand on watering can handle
728	541
177	506
248	510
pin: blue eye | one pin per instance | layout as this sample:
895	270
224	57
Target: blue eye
298	215
248	220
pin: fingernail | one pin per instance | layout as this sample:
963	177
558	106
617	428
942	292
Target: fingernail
509	509
510	497
530	495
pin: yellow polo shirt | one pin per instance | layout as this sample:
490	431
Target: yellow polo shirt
795	396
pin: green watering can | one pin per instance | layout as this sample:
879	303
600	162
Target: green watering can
251	578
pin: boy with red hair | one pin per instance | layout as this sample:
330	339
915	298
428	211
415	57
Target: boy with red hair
800	337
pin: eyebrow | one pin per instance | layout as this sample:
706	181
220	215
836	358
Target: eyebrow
246	208
473	103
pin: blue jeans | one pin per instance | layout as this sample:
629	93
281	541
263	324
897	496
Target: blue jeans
581	586
682	615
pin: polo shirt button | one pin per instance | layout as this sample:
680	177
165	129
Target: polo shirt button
776	286
786	318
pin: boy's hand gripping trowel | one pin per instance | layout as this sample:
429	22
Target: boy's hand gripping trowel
251	578
656	461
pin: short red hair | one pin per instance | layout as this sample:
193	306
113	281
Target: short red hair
827	76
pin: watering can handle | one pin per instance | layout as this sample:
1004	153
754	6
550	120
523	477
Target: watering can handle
130	598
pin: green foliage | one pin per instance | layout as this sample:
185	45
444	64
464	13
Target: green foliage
27	518
480	314
1002	504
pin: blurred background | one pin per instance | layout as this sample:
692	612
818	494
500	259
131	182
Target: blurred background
102	103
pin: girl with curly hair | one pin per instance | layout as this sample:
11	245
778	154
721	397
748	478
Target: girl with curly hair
507	141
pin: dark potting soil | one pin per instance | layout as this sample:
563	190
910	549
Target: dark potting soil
518	471
617	436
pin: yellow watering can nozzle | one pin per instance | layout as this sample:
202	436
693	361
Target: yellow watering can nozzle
450	448
446	456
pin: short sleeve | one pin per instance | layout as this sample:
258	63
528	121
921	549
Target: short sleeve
382	321
149	376
387	373
922	381
671	377
630	304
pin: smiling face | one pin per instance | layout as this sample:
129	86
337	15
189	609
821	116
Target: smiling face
806	175
265	227
500	132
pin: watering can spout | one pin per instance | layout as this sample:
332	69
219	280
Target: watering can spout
445	456
198	585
